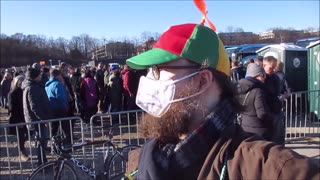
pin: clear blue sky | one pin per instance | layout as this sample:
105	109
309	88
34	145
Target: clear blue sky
118	19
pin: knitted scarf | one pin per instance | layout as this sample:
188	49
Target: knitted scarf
172	160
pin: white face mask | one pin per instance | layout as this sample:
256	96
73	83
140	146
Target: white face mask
156	96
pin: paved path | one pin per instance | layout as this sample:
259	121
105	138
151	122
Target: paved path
309	147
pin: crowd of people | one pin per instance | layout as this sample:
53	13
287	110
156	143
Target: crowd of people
262	88
43	93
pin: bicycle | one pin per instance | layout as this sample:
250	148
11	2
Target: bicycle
115	161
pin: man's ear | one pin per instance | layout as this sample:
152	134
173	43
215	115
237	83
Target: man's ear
206	79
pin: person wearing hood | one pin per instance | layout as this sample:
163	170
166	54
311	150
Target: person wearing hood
255	118
36	108
58	98
89	93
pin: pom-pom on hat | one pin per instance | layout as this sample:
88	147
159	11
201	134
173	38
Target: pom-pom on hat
194	42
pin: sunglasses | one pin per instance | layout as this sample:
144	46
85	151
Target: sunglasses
156	69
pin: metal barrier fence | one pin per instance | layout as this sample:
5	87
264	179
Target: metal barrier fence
127	133
13	166
302	114
17	163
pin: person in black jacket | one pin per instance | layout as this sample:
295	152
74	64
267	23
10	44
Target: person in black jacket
273	87
45	76
36	108
66	81
5	89
236	71
75	81
100	82
15	109
256	115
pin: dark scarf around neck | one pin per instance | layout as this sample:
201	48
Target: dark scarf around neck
171	160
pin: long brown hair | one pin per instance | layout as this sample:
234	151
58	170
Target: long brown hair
228	89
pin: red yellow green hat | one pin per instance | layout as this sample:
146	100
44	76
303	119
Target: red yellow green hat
194	42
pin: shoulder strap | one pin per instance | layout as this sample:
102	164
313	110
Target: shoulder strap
245	98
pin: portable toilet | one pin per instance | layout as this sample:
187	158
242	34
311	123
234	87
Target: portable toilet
314	78
295	63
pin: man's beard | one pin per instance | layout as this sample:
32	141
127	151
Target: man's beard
174	123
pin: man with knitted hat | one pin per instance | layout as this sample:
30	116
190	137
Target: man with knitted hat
36	108
191	116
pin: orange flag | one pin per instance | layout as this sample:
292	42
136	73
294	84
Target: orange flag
201	5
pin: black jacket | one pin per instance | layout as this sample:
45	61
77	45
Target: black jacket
15	106
75	82
35	101
256	113
272	84
15	109
237	73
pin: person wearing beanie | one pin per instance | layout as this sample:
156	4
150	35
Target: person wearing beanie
115	89
36	108
36	66
255	118
191	112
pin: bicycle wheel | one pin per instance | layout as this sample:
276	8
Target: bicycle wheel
118	163
49	170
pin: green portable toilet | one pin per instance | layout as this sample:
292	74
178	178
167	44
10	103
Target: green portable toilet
314	78
295	63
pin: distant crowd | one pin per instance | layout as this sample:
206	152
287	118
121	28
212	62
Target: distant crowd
48	93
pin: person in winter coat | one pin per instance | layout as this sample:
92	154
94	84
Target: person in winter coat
236	71
36	108
15	108
285	90
129	89
273	90
45	76
106	100
75	81
66	82
5	88
255	118
115	89
89	93
58	98
100	82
